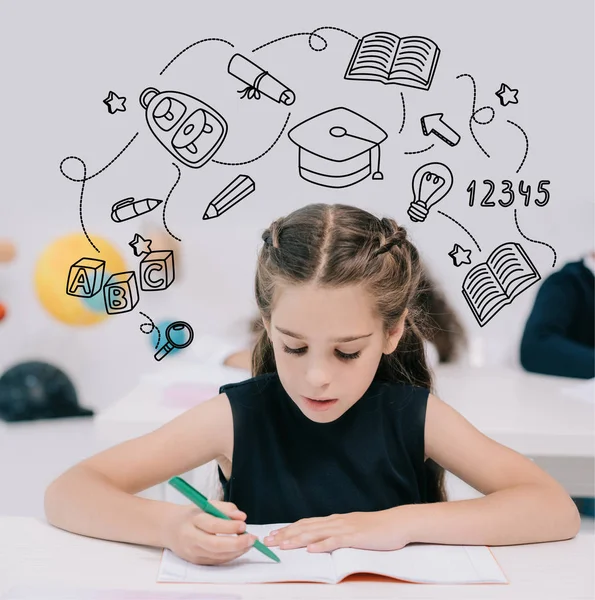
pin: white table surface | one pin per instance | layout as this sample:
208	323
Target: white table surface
33	552
527	412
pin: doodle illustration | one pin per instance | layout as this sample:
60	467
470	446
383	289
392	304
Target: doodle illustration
460	256
189	129
152	326
259	81
507	95
120	293
140	245
526	143
462	227
385	57
83	180
176	328
114	103
338	148
490	286
157	271
130	208
237	190
85	277
516	222
474	118
434	124
430	183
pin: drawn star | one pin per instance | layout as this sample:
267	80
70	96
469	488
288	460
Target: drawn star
140	245
460	256
507	95
114	103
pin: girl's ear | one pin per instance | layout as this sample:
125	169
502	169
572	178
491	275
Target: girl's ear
395	334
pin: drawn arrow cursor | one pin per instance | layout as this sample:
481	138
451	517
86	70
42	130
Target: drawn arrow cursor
434	124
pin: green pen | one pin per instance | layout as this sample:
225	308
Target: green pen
195	496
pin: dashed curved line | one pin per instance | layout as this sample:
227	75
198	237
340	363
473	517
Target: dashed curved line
420	151
101	170
166	201
473	134
404	112
285	37
84	179
235	164
153	326
192	45
526	143
310	34
461	226
535	241
474	112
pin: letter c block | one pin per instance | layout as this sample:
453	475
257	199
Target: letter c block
157	271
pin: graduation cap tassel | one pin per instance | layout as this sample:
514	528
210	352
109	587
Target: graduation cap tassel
374	153
376	162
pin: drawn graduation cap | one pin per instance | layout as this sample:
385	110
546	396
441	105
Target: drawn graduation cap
338	148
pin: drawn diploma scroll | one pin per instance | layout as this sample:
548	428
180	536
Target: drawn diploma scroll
258	81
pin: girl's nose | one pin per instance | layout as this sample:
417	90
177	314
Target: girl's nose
318	376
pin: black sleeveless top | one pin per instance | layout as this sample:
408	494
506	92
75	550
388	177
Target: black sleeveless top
286	467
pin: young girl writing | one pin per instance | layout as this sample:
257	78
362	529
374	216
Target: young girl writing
336	433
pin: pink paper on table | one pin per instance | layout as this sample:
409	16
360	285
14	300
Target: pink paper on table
57	592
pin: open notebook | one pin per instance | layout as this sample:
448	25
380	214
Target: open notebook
420	563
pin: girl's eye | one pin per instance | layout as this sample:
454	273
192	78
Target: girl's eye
303	349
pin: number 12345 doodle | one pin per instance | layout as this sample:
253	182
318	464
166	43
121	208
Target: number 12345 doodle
509	190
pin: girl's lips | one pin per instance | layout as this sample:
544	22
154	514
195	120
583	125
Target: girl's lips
319	405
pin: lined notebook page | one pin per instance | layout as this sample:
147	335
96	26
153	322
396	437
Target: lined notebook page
423	563
253	566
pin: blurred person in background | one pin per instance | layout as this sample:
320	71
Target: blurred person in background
559	334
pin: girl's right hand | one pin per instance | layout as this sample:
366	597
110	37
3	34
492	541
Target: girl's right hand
191	534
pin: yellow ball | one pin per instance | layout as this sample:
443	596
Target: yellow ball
51	277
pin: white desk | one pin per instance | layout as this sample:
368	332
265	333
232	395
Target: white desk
35	553
526	412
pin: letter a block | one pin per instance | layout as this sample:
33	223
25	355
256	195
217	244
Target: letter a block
85	277
121	293
157	271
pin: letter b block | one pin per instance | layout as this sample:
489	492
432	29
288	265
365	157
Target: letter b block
121	293
157	271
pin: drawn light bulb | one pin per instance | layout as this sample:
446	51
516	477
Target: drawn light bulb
430	184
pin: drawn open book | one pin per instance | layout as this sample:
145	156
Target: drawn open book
422	563
385	57
490	286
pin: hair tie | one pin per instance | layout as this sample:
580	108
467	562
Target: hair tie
267	238
386	247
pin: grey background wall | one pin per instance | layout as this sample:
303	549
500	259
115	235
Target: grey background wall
60	59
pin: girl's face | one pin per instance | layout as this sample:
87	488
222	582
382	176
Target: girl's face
327	345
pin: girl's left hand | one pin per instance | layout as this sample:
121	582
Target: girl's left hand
381	530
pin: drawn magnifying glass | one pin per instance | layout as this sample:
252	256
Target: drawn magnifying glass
170	344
